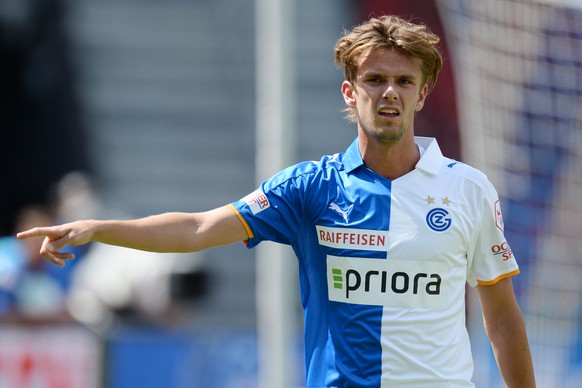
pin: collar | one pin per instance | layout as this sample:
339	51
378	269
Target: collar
352	157
432	158
430	161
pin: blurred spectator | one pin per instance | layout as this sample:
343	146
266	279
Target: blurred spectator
31	288
103	284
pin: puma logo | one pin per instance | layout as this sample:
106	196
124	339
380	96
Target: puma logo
334	206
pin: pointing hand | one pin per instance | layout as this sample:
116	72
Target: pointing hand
58	237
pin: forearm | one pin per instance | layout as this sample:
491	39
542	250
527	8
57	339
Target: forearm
168	232
510	344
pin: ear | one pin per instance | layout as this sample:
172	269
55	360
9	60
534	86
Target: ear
348	91
421	98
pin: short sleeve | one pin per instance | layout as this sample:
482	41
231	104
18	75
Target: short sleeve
273	212
490	256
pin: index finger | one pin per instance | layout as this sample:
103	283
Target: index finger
37	232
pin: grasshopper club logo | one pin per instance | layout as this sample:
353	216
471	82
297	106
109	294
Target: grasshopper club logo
438	219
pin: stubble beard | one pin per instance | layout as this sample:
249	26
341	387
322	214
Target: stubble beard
387	137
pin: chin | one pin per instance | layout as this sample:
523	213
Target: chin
389	137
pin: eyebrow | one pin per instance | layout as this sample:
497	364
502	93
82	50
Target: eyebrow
369	74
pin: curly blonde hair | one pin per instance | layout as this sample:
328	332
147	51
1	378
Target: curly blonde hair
393	32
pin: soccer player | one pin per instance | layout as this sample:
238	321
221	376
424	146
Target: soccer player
387	233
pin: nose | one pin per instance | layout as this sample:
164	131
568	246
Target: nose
390	92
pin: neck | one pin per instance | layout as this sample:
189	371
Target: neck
390	161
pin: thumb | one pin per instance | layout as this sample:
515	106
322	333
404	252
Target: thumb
57	245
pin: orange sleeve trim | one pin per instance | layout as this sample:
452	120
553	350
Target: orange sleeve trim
492	282
242	220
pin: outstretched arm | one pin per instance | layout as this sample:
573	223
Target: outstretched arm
168	232
506	329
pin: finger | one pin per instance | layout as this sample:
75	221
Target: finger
36	232
54	256
60	257
55	260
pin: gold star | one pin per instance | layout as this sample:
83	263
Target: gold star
429	200
446	201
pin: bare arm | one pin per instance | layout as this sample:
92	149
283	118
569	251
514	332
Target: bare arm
506	330
168	232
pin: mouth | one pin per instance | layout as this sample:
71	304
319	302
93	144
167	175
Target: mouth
389	112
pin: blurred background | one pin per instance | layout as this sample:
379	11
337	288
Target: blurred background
126	109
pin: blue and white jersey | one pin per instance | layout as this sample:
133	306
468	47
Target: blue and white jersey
383	264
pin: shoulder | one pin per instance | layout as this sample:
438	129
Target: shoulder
469	175
308	171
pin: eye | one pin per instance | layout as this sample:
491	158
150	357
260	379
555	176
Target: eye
408	79
374	79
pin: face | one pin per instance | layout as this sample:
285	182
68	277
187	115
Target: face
386	94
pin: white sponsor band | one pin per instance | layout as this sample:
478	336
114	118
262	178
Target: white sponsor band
348	238
387	282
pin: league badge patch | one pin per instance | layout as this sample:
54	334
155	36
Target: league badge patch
257	201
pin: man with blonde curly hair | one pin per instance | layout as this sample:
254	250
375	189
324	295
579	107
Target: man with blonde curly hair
387	233
394	33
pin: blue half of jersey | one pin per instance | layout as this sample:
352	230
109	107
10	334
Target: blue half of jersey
338	354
